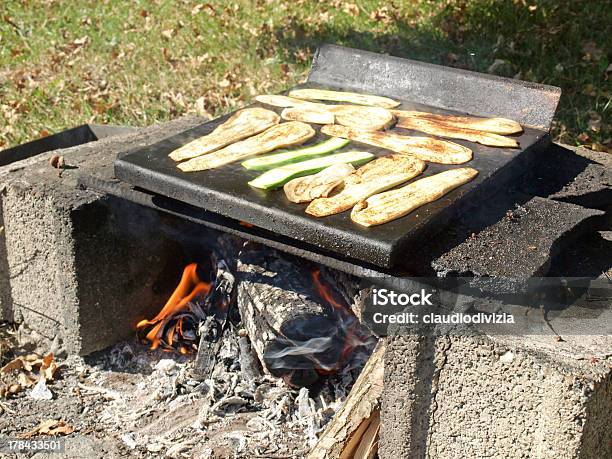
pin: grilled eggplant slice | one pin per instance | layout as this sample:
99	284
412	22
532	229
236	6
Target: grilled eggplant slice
500	126
262	163
241	125
305	189
281	135
425	148
281	175
385	207
379	175
364	118
353	116
341	96
448	130
308	114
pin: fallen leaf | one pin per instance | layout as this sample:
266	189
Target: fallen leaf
496	65
81	41
49	427
15	364
351	9
168	34
200	107
583	137
594	122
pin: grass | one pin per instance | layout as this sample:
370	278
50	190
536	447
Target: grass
66	62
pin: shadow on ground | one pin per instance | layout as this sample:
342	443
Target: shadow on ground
557	43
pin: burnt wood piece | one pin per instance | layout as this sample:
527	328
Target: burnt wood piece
348	430
295	333
220	306
279	312
211	334
249	364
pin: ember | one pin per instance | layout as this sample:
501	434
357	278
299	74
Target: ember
174	326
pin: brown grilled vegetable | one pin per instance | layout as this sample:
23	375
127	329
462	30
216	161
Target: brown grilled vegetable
241	125
353	116
305	189
385	207
448	130
493	125
308	114
364	118
376	176
281	135
425	148
342	96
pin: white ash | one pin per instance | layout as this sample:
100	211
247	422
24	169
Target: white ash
148	404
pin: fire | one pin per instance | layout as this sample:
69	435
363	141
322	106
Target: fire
348	321
168	324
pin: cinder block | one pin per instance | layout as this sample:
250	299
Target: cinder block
468	396
76	263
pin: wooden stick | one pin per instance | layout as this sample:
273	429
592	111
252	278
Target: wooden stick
355	426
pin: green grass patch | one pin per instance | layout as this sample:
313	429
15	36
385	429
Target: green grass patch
66	62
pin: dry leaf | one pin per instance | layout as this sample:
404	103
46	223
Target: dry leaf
200	107
583	137
351	9
168	34
49	427
16	364
81	41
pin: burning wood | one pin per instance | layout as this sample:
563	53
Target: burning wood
196	311
168	327
298	328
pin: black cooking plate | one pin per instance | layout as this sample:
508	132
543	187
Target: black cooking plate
225	190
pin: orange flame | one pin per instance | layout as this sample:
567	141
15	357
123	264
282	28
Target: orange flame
187	290
325	292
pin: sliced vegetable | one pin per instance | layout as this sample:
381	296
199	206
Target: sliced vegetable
309	114
342	96
319	185
385	207
376	176
282	158
281	175
425	148
454	132
500	126
279	136
243	124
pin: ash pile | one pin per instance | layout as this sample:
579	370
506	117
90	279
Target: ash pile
252	356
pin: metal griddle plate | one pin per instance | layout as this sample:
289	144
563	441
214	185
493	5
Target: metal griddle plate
225	190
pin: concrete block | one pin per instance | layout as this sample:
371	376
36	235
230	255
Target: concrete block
510	397
78	264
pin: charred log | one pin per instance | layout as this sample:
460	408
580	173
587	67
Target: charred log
295	333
